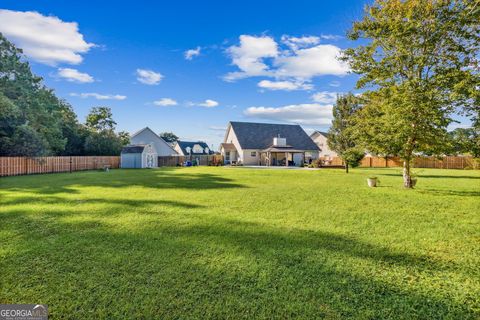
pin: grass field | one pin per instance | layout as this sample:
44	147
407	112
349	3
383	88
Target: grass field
242	243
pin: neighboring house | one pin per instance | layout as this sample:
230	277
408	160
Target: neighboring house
139	156
267	144
321	138
147	136
194	148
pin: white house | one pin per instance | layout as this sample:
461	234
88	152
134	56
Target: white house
267	144
139	156
147	136
321	138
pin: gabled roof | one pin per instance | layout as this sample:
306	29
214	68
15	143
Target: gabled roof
323	133
252	135
133	148
189	144
159	138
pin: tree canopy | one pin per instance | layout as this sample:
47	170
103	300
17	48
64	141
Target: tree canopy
35	122
341	139
169	137
419	67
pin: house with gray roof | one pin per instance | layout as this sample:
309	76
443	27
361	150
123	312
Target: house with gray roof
321	140
267	144
192	148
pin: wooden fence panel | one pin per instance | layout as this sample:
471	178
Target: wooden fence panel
450	162
14	166
203	160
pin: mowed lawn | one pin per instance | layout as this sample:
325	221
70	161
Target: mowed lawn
230	243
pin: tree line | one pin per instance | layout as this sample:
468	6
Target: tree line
418	66
35	122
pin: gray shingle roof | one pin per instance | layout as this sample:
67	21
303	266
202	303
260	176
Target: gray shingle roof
184	144
134	148
252	135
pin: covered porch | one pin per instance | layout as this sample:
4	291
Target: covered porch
282	156
229	152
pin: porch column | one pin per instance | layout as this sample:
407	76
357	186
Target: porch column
286	159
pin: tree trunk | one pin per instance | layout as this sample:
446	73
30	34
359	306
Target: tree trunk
407	178
346	167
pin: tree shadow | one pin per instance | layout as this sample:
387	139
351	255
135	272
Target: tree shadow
222	269
433	176
164	178
439	192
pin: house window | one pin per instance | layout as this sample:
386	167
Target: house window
197	148
207	150
227	156
253	153
188	149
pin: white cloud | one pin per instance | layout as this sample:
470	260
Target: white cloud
249	55
45	39
296	43
208	103
308	113
149	77
301	58
165	102
99	96
217	128
334	84
284	85
330	36
325	97
189	54
73	75
311	62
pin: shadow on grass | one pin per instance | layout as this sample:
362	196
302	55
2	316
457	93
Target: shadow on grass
220	270
140	203
165	178
459	193
432	176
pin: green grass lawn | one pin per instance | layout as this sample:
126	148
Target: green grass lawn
242	243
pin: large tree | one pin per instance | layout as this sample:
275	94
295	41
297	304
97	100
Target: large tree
341	139
419	62
100	118
169	137
31	118
465	141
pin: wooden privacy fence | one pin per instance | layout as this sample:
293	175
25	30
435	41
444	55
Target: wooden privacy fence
204	160
14	166
450	162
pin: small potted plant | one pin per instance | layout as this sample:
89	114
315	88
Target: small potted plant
372	181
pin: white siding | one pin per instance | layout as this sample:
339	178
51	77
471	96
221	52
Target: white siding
250	160
232	138
147	136
321	142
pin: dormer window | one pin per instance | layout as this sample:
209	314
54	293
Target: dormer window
207	150
197	148
188	149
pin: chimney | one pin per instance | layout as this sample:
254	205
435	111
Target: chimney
279	142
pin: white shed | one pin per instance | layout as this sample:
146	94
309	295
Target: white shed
139	156
147	136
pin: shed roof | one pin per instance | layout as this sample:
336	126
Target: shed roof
252	135
134	148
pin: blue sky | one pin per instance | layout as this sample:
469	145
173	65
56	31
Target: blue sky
248	61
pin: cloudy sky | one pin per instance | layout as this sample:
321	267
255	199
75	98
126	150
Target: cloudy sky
189	66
